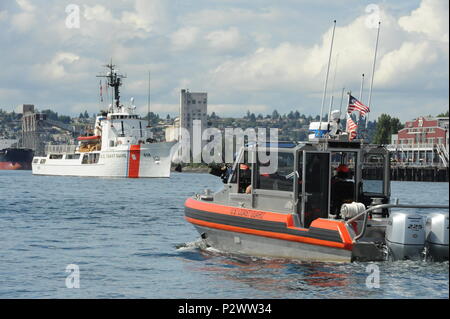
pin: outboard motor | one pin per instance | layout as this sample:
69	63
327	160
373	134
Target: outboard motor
437	236
405	235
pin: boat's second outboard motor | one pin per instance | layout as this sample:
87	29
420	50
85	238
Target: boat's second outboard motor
437	236
405	235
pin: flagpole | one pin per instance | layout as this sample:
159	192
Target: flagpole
362	87
373	71
329	109
326	78
347	113
148	100
342	99
332	87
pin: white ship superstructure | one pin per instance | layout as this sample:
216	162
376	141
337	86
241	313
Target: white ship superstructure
121	145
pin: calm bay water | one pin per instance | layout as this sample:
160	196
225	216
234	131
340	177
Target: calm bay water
130	240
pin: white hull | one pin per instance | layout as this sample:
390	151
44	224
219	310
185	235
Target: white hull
133	161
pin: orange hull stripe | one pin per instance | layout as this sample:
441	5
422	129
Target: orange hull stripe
275	235
133	162
270	216
238	211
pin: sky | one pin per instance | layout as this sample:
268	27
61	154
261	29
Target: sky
248	55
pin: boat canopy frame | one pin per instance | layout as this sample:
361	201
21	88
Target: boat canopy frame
294	201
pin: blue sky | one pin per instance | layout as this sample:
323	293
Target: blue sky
248	55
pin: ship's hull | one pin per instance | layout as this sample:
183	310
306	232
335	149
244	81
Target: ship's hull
258	233
259	246
15	159
134	161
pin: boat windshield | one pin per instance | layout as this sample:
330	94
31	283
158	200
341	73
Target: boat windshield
373	173
282	179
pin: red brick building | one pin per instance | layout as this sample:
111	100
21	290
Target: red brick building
423	141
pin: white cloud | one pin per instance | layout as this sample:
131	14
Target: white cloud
149	16
158	108
258	56
55	69
295	67
211	18
430	19
405	64
23	22
230	109
25	5
3	15
224	40
97	13
184	38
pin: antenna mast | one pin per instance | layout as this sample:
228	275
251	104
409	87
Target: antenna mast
362	87
148	100
373	71
114	80
326	78
332	87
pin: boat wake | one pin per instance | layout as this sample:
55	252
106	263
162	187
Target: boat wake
193	245
201	247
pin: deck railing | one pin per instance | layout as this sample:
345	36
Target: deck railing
365	214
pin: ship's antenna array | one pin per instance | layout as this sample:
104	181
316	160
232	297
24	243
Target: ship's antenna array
114	80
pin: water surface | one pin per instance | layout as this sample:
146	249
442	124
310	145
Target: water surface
130	240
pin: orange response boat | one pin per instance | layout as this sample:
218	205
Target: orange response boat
327	200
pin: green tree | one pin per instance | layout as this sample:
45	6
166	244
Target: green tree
385	127
50	114
444	114
396	125
291	115
213	116
275	115
65	119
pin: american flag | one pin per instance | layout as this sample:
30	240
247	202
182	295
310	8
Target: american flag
355	105
351	127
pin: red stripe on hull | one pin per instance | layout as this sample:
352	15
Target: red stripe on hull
335	225
134	160
305	240
10	166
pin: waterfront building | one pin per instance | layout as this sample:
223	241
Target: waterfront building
193	106
423	141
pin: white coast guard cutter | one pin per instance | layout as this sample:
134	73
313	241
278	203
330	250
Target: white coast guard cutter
121	146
